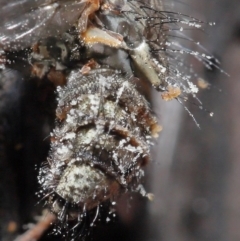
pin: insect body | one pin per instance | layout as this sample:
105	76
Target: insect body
91	24
101	142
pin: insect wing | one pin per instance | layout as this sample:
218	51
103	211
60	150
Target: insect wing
25	22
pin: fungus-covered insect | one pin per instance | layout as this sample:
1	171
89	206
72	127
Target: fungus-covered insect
101	55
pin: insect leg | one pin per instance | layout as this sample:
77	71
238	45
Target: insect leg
93	5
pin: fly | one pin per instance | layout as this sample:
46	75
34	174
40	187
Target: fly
101	55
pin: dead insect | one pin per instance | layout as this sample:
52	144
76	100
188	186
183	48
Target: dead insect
102	54
100	143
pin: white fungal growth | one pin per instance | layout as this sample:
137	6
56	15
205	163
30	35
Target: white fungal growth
78	184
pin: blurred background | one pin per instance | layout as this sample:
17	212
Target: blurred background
195	173
196	179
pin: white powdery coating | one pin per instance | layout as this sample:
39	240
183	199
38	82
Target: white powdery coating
160	66
193	88
80	183
69	136
94	103
88	137
63	152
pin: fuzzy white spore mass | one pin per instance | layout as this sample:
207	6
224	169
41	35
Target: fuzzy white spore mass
78	183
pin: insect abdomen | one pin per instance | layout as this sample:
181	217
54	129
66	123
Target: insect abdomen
103	130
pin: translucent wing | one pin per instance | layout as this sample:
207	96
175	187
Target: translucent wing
25	21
